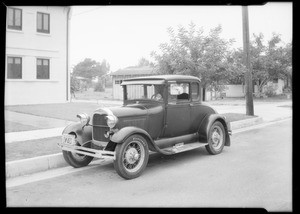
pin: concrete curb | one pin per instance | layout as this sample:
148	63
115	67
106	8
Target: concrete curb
244	123
33	165
43	163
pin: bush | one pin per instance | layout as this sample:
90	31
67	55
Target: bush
99	87
270	91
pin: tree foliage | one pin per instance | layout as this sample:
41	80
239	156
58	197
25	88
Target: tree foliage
210	57
90	69
144	62
191	52
270	60
75	85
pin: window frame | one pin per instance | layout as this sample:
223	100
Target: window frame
42	30
14	26
42	67
198	92
179	101
8	70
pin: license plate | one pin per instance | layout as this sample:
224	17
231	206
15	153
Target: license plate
68	139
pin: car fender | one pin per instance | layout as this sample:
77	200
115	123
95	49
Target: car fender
83	133
206	124
121	135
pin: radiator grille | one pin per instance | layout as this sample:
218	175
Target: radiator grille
98	132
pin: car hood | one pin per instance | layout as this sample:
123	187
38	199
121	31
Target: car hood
133	110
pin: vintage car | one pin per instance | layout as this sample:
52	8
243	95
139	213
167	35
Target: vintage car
161	113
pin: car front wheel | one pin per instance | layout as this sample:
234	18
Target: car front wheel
77	160
131	157
216	139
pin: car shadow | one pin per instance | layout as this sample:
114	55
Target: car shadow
157	161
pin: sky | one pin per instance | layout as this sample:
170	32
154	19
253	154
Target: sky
124	34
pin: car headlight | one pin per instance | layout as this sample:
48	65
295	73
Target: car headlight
111	121
84	118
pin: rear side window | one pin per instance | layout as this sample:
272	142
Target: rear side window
178	92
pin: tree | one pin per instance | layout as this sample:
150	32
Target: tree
75	85
144	62
270	61
90	69
190	52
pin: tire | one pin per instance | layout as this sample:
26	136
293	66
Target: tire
216	140
131	157
77	160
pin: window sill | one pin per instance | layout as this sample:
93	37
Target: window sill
14	31
32	80
43	34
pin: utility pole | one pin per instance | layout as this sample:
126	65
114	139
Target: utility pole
248	74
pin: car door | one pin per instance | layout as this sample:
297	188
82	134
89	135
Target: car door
178	109
198	111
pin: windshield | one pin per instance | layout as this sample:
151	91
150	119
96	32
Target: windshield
145	92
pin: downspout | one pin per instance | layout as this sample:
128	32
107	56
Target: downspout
67	56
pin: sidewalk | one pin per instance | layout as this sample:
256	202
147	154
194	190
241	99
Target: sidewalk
49	155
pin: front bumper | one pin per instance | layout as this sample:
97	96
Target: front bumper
101	154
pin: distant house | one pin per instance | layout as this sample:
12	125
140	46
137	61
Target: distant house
129	72
239	90
37	55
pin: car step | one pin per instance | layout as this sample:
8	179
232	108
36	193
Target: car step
180	147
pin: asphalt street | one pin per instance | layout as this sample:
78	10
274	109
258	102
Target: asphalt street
256	171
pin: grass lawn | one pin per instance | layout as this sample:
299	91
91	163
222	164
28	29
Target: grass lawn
90	94
64	111
31	148
231	117
18	127
68	111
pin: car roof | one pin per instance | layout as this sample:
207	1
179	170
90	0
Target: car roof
171	77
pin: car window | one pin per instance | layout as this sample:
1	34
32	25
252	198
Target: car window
145	92
195	91
178	92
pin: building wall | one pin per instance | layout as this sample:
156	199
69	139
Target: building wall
277	85
30	45
117	88
230	91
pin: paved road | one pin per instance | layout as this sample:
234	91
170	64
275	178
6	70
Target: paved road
256	171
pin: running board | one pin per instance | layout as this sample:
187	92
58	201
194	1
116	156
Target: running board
183	147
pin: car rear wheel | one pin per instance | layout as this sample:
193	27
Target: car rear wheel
77	160
131	157
216	139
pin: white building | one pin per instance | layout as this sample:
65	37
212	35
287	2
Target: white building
37	55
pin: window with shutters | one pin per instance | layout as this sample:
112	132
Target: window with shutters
42	69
